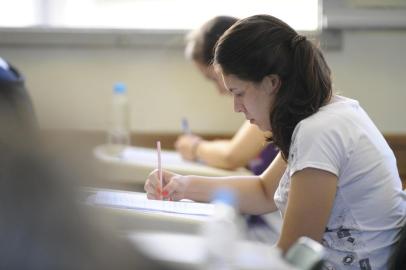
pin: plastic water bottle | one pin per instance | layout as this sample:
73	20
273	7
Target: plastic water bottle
119	127
221	232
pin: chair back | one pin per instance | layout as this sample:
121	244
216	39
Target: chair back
398	258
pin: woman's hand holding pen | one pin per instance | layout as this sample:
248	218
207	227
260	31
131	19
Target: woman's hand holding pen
174	186
187	145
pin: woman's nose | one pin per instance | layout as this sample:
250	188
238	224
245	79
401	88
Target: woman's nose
237	105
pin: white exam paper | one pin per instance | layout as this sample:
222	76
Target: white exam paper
139	201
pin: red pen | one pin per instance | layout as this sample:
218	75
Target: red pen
158	146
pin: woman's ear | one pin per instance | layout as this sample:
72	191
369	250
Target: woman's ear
271	83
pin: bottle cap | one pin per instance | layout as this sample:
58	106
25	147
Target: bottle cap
226	196
119	88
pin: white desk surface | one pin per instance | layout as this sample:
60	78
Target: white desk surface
182	251
136	163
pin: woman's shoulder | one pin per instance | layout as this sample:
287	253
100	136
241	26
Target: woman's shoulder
329	115
332	118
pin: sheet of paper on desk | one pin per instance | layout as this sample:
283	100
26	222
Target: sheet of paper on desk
139	201
149	156
140	161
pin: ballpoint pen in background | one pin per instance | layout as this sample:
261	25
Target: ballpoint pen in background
185	126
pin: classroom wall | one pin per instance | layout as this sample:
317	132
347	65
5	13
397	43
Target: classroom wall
71	87
76	84
372	68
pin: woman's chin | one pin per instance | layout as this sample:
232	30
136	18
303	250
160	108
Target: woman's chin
264	128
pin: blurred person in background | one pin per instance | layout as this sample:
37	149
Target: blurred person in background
247	148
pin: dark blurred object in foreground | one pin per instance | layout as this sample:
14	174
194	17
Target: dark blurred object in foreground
43	225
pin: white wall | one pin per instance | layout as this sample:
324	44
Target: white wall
372	68
75	85
71	87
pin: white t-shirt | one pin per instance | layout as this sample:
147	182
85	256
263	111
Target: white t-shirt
370	207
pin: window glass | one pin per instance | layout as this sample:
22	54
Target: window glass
151	14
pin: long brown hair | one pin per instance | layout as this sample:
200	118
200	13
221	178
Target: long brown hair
260	45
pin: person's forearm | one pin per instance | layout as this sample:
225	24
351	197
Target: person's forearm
218	154
252	195
245	145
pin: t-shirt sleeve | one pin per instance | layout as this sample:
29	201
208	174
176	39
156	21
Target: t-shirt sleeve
319	146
